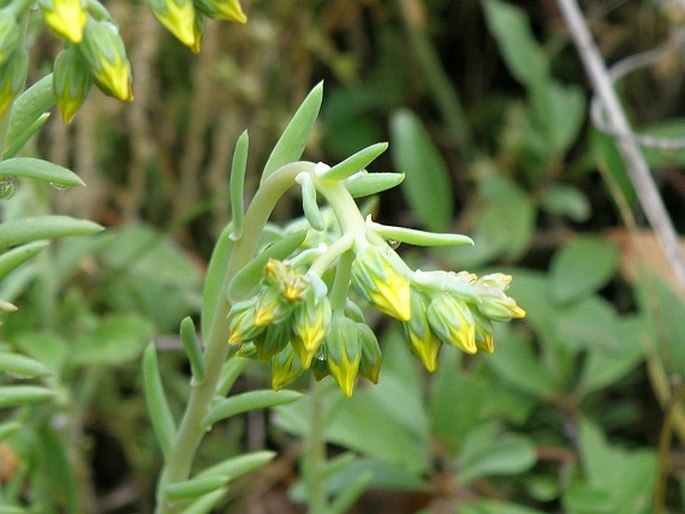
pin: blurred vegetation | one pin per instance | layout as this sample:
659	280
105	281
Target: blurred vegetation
485	105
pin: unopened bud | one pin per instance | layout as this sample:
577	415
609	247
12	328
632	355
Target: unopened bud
228	10
451	320
12	77
66	17
71	82
178	17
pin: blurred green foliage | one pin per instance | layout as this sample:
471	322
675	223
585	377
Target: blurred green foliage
485	109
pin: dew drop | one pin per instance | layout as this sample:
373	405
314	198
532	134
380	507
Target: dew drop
58	187
8	185
392	243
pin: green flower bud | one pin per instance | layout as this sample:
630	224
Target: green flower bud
198	30
273	340
12	77
242	326
378	274
290	282
71	82
66	17
451	320
494	303
311	319
285	367
178	17
228	10
344	352
270	307
417	331
484	337
104	51
9	35
370	364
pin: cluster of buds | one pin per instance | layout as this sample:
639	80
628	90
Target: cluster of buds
304	312
94	52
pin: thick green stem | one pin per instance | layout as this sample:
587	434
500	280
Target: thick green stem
314	465
191	430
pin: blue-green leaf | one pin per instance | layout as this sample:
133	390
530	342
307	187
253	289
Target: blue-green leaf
26	230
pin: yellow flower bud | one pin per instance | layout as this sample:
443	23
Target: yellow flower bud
285	367
66	17
344	353
228	10
270	307
71	82
494	303
370	364
451	320
178	17
104	50
311	319
379	276
417	331
242	327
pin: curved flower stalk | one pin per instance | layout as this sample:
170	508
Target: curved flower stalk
297	315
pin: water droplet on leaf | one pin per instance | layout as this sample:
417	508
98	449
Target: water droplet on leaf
58	187
392	243
8	185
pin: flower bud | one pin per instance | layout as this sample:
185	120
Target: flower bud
344	352
451	320
270	307
291	283
71	82
104	51
9	34
285	367
273	340
12	77
228	10
178	17
484	337
311	319
66	17
494	303
417	331
370	364
379	276
242	327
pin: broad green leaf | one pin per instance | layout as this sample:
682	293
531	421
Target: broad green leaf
367	184
293	141
516	363
522	54
244	402
44	346
355	163
553	102
39	169
382	476
16	395
588	499
589	324
214	280
22	366
427	184
114	341
628	476
158	407
28	108
582	267
566	200
26	230
494	454
604	367
15	257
